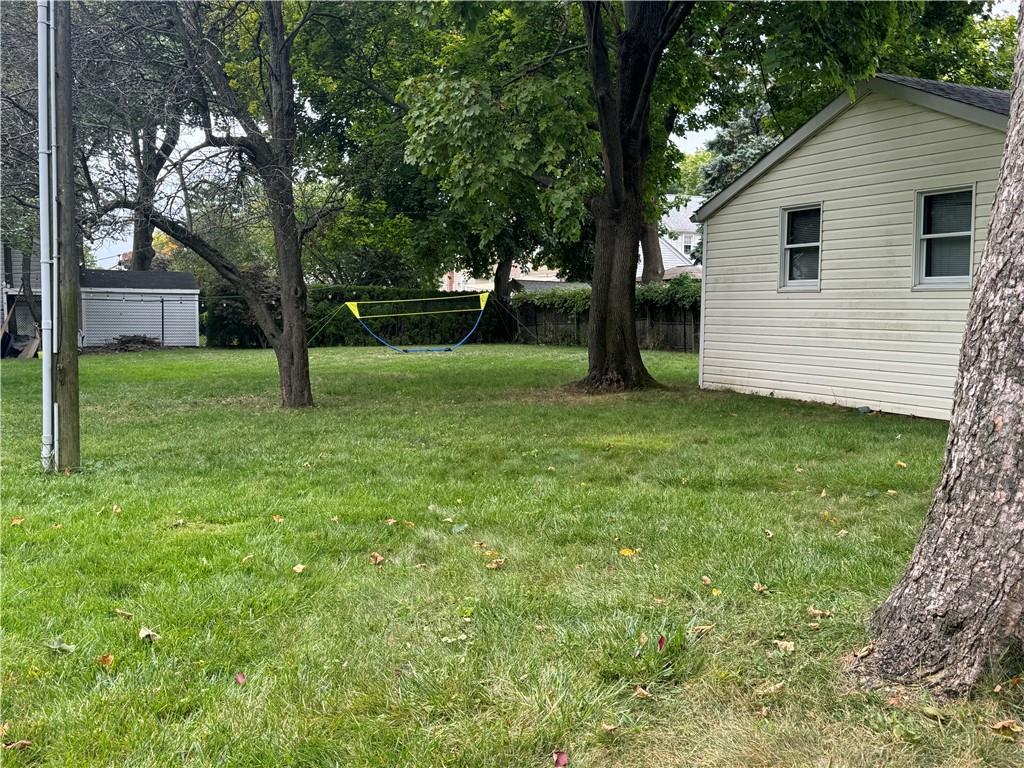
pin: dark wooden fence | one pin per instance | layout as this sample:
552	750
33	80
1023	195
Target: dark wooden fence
673	328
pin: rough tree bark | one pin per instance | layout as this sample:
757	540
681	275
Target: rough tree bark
623	101
150	158
650	243
292	350
960	605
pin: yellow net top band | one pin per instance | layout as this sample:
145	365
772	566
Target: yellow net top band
354	306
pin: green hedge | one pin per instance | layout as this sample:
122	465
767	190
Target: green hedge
682	291
228	323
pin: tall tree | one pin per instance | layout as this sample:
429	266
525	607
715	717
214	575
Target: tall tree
960	605
237	76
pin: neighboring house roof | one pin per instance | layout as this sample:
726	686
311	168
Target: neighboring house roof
991	99
535	286
137	280
984	106
679	219
696	271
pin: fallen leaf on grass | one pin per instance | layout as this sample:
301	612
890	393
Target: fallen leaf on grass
17	520
716	592
1007	727
701	629
814	625
56	525
767	689
248	558
495	564
57	644
705	580
786	646
661	642
19	744
892	492
824	493
933	712
842	533
334	519
760	588
298	568
145	633
240	678
4	728
901	464
627	552
106	660
641	693
860	653
115	510
179	523
460	528
559	758
799	469
609	727
390	521
277	518
768	534
376	558
818	613
126	615
409	524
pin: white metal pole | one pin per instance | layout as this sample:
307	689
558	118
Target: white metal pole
46	220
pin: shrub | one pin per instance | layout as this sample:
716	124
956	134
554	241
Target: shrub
682	292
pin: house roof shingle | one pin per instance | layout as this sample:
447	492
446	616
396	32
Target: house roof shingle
991	99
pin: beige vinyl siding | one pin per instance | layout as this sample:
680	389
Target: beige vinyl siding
866	337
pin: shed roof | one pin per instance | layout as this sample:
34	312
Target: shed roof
984	106
138	280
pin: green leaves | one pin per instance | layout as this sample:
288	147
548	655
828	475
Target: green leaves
682	291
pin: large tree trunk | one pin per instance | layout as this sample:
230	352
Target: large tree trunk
150	158
960	605
613	348
142	241
622	100
278	180
503	295
503	280
650	242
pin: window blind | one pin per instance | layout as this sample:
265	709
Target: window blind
947	212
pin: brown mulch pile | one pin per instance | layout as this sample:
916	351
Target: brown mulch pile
125	344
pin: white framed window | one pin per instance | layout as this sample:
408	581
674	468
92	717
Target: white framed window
944	238
687	244
800	252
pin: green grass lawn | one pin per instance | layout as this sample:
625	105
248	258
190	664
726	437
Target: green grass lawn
431	658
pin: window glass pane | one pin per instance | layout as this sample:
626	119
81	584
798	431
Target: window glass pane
947	257
803	263
803	226
947	212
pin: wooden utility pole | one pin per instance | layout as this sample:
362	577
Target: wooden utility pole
69	291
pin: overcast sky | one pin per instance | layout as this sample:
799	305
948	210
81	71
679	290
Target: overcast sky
107	251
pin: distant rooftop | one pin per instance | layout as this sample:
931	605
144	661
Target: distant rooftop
991	99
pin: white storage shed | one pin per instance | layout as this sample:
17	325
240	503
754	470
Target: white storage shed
160	305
